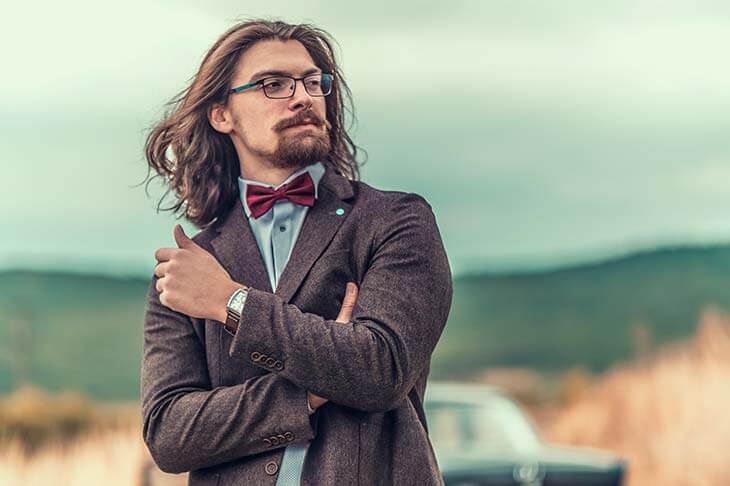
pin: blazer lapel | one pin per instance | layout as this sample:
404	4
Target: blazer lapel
236	249
320	225
238	252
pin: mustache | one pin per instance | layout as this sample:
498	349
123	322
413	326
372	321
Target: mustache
302	118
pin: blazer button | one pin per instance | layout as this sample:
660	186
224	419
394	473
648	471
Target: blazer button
271	468
270	362
281	437
279	365
255	356
289	436
267	442
274	440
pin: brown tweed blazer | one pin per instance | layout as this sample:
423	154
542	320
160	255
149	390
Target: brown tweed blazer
224	407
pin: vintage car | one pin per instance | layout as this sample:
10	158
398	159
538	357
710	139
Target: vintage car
481	437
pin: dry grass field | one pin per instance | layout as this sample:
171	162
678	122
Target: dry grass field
666	413
68	440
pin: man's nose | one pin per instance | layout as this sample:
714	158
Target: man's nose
300	98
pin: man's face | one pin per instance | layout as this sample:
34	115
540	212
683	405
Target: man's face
290	132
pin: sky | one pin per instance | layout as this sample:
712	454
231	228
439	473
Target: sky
542	133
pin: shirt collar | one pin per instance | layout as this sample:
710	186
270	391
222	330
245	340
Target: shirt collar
316	171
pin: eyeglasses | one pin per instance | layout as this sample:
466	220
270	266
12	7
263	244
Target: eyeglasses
279	87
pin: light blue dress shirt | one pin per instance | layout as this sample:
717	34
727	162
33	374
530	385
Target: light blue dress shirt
276	232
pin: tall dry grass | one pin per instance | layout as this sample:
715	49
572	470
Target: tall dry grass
68	439
667	414
109	458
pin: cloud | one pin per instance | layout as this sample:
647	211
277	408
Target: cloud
538	130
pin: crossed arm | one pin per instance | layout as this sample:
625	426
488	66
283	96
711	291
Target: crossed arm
369	363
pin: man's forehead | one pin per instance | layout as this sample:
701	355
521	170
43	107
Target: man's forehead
272	56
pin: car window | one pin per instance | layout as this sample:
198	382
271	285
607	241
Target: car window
496	424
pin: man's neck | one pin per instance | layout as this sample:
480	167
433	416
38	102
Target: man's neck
266	173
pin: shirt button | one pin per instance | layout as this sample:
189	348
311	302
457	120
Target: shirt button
282	228
271	468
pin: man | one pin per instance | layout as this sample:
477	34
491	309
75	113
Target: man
289	341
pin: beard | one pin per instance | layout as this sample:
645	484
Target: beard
300	149
297	150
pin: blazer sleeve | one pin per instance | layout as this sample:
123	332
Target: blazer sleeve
403	302
186	424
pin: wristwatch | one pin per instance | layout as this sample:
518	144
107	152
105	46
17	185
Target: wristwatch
235	309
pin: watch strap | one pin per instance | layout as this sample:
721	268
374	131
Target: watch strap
231	324
233	317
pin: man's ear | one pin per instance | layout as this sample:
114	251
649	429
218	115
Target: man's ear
220	119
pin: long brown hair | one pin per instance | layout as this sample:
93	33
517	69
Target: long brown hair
201	164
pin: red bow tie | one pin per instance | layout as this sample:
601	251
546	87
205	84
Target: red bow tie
261	198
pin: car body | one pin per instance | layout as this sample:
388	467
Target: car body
481	437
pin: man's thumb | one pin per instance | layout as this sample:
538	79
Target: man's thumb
182	239
350	295
348	303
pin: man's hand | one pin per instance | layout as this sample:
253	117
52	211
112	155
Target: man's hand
348	303
191	280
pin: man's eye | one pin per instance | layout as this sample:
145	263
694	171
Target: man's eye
313	82
276	85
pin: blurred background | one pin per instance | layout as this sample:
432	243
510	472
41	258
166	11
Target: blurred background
575	155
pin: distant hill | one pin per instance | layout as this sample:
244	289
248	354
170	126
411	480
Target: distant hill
74	331
586	315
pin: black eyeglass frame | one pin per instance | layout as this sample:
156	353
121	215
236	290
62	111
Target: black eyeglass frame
261	82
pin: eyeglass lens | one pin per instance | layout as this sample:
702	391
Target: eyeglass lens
283	86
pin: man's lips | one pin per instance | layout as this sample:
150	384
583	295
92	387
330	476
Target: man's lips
308	124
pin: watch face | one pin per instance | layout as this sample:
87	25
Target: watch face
238	298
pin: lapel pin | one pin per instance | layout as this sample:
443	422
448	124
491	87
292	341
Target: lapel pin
340	212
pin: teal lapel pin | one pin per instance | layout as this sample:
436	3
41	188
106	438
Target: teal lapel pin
340	212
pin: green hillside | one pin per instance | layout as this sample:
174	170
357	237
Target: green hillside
71	331
585	315
85	332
